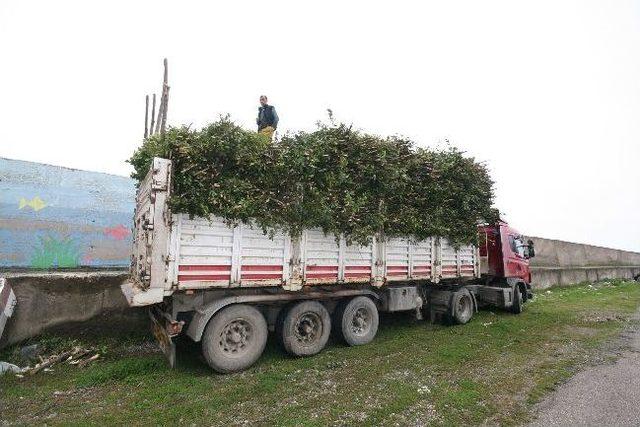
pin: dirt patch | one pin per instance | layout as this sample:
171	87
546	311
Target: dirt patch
603	317
146	347
584	331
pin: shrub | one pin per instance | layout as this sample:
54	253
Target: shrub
337	178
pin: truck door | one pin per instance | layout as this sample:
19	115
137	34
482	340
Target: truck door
513	253
490	250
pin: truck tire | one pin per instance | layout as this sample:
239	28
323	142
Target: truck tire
305	328
359	321
462	306
234	338
517	306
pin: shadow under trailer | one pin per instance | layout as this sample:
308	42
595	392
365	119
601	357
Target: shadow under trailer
227	286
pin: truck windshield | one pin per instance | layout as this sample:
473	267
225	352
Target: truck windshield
518	246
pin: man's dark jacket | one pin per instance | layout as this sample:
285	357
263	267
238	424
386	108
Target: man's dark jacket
267	116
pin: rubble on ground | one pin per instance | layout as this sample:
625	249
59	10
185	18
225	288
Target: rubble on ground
77	356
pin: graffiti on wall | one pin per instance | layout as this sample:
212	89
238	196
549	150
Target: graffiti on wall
36	203
119	232
55	253
54	217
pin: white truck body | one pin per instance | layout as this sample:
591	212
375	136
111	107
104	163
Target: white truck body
175	253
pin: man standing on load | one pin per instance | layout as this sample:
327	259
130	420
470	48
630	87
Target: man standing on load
267	118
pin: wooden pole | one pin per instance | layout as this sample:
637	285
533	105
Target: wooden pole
164	110
165	96
165	80
146	116
153	114
160	106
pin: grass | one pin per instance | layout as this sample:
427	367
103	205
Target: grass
490	371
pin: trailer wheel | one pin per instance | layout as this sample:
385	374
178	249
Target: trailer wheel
517	306
234	338
305	328
461	306
359	321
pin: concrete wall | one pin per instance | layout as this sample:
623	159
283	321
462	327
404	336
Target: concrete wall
53	217
561	263
79	301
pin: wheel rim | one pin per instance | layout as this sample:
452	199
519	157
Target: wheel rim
235	337
463	306
308	328
361	321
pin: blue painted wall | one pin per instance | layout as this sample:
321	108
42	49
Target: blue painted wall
54	217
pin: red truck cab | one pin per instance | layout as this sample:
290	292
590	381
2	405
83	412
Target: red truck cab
504	255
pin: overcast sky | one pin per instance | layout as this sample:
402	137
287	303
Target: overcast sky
547	93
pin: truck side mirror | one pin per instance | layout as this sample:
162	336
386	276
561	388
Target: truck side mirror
532	251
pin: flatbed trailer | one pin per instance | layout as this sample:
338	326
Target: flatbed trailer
226	285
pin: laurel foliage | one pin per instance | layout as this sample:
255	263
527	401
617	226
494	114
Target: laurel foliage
336	178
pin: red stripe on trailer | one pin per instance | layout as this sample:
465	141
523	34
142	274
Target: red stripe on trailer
321	276
358	267
261	268
192	277
357	274
397	273
261	276
322	267
204	267
397	268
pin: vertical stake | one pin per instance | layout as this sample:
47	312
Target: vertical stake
153	114
159	119
165	96
164	111
146	116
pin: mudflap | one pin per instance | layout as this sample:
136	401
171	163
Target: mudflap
165	341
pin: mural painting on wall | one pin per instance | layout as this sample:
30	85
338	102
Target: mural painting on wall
36	203
55	252
118	232
53	217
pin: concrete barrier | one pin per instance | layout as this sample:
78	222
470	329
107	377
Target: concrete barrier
55	299
562	263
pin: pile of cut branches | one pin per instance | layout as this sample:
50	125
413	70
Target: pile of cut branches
336	178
